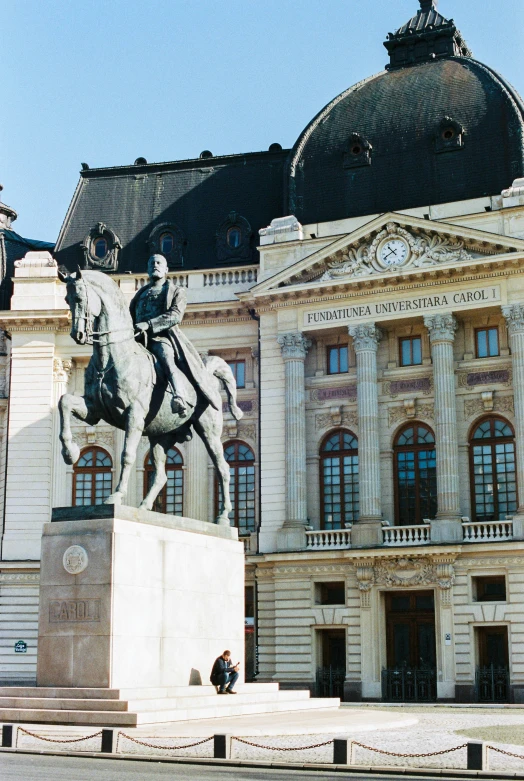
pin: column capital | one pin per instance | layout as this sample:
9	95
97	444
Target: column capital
441	327
61	369
365	336
514	314
294	346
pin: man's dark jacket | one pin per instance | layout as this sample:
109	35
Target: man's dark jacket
220	666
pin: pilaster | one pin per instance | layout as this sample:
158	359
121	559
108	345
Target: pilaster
196	489
61	373
447	526
294	347
368	530
514	314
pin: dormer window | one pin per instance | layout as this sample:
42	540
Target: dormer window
449	135
358	152
234	237
168	240
101	247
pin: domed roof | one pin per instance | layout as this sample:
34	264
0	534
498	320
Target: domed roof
435	126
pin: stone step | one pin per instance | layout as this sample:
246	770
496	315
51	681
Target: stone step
223	708
194	691
188	702
54	703
46	692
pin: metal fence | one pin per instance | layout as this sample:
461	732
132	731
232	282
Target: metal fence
409	684
330	682
492	684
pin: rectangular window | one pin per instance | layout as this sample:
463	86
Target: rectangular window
411	351
338	359
489	588
330	593
239	372
487	342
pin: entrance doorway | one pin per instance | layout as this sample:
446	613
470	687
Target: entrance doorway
331	673
411	653
492	674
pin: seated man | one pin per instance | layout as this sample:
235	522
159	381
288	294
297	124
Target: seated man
224	675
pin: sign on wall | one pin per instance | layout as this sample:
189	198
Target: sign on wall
386	309
20	647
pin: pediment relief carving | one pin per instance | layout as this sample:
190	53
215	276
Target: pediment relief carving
395	247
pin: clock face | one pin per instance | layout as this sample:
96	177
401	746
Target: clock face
394	252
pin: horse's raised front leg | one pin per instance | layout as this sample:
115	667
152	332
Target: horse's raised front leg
208	429
158	462
134	428
68	407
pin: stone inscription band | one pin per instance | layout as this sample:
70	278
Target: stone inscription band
73	611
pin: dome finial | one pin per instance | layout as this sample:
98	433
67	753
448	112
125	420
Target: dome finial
427	5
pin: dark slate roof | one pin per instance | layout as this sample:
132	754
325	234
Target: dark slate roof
195	195
13	247
399	114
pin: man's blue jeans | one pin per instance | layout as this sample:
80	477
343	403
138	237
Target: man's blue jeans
227	678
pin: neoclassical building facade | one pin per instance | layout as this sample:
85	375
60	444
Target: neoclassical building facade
367	289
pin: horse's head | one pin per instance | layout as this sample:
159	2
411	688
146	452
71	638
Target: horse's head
84	304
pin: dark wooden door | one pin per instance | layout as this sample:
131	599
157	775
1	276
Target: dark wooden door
410	626
334	648
493	646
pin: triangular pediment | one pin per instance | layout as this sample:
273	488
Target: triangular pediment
392	244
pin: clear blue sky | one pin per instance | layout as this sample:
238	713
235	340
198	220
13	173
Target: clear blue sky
106	81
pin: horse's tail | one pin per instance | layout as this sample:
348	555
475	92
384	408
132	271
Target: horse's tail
220	369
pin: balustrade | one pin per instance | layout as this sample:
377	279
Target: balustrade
406	535
335	539
487	532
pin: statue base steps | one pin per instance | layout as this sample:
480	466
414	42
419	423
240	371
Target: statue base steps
134	707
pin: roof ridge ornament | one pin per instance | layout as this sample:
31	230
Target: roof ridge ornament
427	5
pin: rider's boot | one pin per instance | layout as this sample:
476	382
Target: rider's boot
178	405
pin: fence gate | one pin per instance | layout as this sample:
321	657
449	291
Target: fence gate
409	684
330	682
492	684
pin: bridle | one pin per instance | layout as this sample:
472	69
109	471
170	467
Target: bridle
90	334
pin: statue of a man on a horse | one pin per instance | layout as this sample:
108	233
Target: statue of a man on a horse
163	392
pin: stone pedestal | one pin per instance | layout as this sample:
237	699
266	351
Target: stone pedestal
132	599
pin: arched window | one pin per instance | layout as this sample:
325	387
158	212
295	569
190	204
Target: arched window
100	248
339	479
416	475
170	498
241	460
92	477
234	237
167	243
493	470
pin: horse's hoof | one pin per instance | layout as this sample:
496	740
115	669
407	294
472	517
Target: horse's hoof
114	499
71	454
145	506
223	520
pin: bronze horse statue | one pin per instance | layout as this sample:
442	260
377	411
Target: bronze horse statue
124	388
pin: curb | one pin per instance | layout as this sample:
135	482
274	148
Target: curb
290	766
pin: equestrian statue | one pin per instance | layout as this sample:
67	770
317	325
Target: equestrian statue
161	389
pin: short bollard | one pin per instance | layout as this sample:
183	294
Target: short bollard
222	746
342	751
477	755
107	741
7	736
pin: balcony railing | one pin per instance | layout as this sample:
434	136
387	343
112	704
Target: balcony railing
336	539
406	535
490	531
207	286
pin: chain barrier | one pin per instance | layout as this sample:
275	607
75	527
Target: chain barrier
55	740
154	745
507	753
282	748
410	756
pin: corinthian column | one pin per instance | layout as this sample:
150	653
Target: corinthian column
368	530
447	526
294	347
514	314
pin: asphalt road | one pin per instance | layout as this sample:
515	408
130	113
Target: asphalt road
30	767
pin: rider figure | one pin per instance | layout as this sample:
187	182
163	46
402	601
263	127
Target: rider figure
157	310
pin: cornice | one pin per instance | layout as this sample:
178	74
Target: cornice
35	320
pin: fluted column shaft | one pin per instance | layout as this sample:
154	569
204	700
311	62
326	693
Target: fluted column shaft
61	371
365	341
294	347
196	503
514	314
442	335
